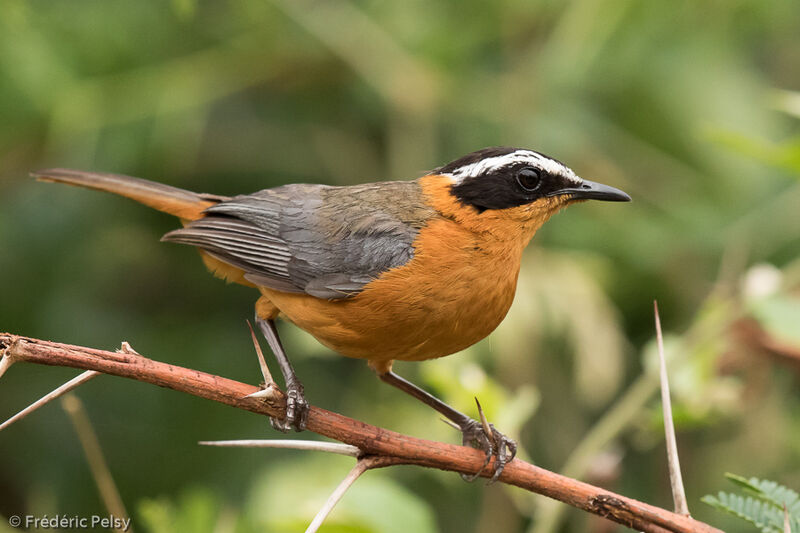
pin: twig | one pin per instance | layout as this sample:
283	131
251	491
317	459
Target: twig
334	498
337	494
94	456
49	397
371	440
363	464
312	445
675	478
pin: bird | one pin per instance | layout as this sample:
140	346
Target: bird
386	271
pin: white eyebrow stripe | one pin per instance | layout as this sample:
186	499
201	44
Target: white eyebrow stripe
520	156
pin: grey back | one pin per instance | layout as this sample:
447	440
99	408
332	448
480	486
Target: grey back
324	241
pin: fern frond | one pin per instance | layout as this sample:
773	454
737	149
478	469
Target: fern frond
770	491
762	505
759	513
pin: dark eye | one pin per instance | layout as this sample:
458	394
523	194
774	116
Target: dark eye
529	178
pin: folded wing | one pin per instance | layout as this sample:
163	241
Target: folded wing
328	242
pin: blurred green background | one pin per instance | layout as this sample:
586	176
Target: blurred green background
691	107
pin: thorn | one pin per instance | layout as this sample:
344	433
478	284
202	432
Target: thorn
261	361
676	480
267	393
6	359
450	423
311	445
485	423
5	363
126	348
49	397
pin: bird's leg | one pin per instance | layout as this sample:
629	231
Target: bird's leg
296	404
473	432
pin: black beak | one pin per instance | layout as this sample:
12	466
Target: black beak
589	190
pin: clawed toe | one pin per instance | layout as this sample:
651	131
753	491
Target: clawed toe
296	410
481	435
496	445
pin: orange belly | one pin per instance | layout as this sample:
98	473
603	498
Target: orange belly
453	293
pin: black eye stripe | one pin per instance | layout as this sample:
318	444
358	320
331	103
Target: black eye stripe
530	178
507	187
503	177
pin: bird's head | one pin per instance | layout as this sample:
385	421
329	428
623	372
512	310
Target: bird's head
510	191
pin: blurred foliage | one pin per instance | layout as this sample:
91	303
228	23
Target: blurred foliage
374	504
691	107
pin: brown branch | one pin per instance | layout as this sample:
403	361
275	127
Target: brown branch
394	447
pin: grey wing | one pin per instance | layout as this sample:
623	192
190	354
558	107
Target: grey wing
324	241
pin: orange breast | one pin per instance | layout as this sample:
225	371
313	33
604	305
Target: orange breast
454	292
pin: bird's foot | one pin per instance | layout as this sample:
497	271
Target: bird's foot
484	436
296	409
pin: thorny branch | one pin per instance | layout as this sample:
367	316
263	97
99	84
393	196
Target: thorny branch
386	447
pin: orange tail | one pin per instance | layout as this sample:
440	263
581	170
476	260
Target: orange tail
184	204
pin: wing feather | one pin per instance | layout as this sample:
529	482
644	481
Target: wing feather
327	242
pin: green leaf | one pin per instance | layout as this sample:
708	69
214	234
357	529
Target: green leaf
764	508
779	316
759	513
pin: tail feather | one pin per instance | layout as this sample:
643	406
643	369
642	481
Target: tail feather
181	203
